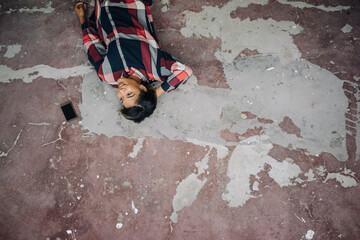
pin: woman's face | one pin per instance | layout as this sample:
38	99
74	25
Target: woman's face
129	90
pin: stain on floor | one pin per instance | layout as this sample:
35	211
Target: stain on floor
261	143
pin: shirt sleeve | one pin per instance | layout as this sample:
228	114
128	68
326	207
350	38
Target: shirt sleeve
147	2
93	46
180	73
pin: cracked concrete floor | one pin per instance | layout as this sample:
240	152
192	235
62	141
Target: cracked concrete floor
261	143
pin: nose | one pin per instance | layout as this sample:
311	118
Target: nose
120	93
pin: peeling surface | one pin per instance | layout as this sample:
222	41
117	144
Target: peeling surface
228	29
12	50
265	134
186	193
249	158
309	235
345	181
188	189
166	5
347	28
276	91
299	4
29	74
137	148
46	10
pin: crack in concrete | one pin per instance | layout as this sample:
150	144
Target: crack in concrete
40	124
59	136
300	219
3	154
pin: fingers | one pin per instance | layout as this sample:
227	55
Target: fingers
80	5
80	11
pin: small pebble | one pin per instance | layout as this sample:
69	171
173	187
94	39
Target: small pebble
243	116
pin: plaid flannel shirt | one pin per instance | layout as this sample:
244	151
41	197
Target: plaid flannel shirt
124	43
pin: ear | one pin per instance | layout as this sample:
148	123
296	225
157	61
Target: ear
142	87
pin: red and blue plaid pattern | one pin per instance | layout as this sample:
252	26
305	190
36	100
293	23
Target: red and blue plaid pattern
122	42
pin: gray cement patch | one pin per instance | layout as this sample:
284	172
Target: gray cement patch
7	74
311	96
298	4
47	9
12	50
347	28
249	159
266	36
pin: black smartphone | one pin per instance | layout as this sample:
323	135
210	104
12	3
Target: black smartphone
68	110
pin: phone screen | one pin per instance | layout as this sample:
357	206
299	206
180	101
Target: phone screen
68	111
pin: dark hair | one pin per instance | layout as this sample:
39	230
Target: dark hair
144	107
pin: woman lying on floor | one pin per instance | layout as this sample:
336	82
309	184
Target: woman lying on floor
121	44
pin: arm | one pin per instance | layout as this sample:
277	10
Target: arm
93	46
179	74
147	2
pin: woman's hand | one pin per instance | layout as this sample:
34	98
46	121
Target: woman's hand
80	11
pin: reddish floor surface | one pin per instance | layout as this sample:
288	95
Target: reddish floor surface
60	181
